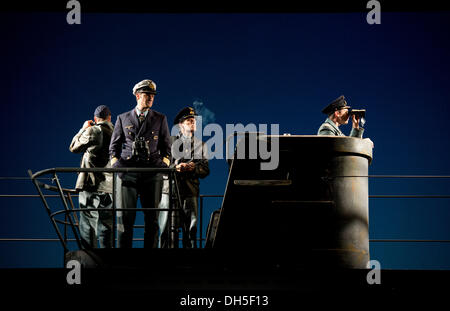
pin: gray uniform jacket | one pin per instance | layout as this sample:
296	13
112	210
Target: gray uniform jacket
94	142
193	150
329	128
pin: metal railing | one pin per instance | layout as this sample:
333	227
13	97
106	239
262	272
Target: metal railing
201	238
69	210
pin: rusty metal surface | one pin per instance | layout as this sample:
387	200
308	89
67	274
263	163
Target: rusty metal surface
320	216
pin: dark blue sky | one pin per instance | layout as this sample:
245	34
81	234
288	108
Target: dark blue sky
246	68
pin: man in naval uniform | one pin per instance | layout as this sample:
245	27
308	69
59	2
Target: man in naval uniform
140	139
338	114
190	158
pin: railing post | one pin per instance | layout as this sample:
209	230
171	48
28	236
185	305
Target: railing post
201	221
65	228
72	207
171	215
47	208
66	207
113	212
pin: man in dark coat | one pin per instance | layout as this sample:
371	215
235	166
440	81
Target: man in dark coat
140	139
191	162
95	188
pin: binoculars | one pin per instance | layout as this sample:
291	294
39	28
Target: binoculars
359	114
141	150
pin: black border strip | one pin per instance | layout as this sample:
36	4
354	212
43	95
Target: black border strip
222	6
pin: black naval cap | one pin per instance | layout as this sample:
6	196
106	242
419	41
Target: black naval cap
183	114
145	86
102	111
337	104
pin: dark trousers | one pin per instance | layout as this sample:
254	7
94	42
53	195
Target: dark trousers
190	208
148	188
187	220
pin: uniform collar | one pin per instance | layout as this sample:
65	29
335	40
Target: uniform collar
138	112
328	120
185	137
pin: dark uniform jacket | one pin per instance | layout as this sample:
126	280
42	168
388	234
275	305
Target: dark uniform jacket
193	150
155	131
94	142
329	128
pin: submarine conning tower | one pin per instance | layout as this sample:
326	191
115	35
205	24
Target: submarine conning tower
311	210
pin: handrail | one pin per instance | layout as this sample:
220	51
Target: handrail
141	239
64	194
374	196
202	196
104	169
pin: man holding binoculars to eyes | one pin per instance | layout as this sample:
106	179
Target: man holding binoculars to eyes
141	138
338	114
95	188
